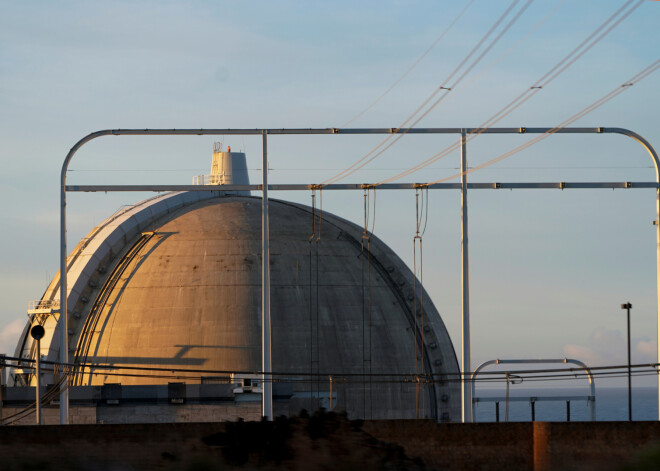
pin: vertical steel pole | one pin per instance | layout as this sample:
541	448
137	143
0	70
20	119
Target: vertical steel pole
629	369
266	363
64	327
465	285
656	163
657	265
38	402
506	410
2	381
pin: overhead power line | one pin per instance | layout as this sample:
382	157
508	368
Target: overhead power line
598	103
594	38
157	371
415	64
446	86
512	48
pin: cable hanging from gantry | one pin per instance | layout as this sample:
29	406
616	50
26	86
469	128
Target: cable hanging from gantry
421	213
318	239
594	38
314	277
313	316
595	105
367	319
313	195
316	243
447	85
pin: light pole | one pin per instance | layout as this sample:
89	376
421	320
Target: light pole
38	333
510	379
627	306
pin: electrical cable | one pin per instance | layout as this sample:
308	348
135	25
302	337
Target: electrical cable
598	103
31	408
367	320
546	374
596	36
68	367
311	296
374	153
512	48
415	64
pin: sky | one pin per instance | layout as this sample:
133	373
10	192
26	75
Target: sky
549	269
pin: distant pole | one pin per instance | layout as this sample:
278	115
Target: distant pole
2	380
627	307
506	409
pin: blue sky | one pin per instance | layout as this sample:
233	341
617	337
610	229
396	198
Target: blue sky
549	269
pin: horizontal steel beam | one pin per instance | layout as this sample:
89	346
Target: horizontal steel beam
361	186
299	131
534	399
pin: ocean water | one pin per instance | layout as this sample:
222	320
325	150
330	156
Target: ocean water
611	404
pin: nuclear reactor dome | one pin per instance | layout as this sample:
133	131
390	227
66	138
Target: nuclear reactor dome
174	283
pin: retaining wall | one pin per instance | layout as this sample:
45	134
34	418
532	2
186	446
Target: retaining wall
329	441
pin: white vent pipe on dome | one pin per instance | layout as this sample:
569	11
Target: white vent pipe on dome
227	168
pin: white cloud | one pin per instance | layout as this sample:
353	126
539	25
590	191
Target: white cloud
609	347
9	335
645	349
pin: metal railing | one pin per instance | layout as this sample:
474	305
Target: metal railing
43	304
214	179
591	398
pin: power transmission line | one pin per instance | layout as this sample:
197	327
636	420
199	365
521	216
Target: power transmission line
598	103
594	38
445	86
415	64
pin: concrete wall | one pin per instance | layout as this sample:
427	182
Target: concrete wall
482	447
329	441
545	446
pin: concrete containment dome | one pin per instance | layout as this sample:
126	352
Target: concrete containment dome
175	282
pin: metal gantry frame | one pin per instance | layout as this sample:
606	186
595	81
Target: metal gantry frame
592	385
463	186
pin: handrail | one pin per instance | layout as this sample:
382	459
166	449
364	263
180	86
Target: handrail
587	370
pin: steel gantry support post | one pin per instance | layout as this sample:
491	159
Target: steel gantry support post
64	321
465	288
656	162
266	362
